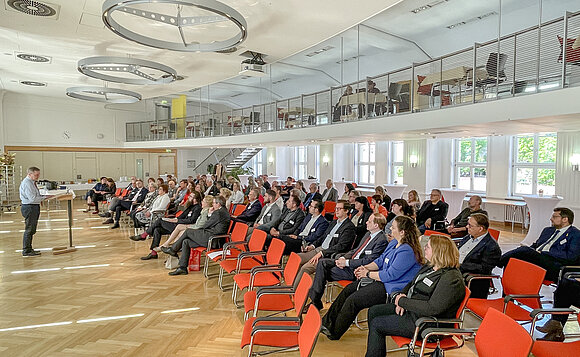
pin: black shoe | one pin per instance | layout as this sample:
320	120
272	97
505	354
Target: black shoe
31	253
550	327
149	256
318	304
327	332
169	251
115	226
108	221
179	271
106	214
137	238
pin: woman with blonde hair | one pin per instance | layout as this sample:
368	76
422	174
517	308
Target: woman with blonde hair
414	200
227	194
437	290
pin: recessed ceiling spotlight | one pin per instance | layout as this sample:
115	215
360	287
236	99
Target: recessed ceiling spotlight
30	7
428	6
473	19
33	83
33	58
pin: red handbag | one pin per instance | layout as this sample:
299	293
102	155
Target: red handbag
194	260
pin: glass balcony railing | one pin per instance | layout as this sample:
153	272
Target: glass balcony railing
529	61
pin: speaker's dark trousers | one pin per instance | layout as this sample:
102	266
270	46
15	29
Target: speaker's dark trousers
30	214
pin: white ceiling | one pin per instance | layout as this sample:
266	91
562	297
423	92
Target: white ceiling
276	28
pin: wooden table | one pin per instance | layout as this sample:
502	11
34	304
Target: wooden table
361	98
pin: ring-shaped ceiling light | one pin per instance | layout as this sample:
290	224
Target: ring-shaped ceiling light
222	13
103	95
96	66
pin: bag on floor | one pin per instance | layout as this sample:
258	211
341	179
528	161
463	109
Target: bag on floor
194	260
171	263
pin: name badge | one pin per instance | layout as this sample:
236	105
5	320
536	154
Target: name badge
291	222
269	215
428	282
368	252
313	230
563	241
386	260
436	209
335	235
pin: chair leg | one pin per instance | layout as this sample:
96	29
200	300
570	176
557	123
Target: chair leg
235	295
205	266
221	278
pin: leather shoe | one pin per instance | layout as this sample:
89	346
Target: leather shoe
95	212
169	251
178	271
149	256
108	221
32	253
557	336
550	327
137	238
106	214
115	226
327	332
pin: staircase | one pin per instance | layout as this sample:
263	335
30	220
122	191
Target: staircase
246	155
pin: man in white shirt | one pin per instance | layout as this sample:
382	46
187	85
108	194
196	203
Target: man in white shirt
342	266
31	198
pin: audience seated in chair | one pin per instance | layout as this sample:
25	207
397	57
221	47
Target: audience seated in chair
377	280
268	216
432	211
377	205
312	228
458	226
557	245
566	294
127	193
399	207
97	193
386	199
479	253
313	195
217	224
131	201
437	290
330	193
252	211
360	215
342	266
157	209
288	223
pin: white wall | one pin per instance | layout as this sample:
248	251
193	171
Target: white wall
568	181
415	177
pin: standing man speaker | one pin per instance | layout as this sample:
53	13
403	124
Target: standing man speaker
31	198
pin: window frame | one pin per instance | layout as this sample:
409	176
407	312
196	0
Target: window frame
298	164
535	165
471	164
369	164
393	164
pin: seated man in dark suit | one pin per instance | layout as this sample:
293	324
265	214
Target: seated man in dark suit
252	211
133	199
342	266
432	211
269	215
567	294
458	226
337	238
217	224
330	193
313	195
289	221
311	229
479	253
558	245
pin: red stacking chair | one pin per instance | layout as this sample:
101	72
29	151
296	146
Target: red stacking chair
494	233
521	282
329	208
259	300
237	236
273	259
430	232
210	243
446	343
286	333
239	209
237	263
553	348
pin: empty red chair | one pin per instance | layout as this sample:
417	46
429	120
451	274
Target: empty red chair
521	282
500	335
272	258
251	258
494	233
553	348
238	236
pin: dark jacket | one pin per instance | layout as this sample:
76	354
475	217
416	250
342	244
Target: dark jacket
190	214
317	230
375	248
436	212
342	240
141	195
316	196
463	216
290	221
251	213
566	249
483	258
441	298
218	223
361	226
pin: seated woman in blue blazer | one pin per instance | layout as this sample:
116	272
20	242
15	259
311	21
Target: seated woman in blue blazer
437	290
389	273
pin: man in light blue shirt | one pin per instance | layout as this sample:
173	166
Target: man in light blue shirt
31	198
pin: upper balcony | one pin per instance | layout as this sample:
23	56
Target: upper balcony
530	61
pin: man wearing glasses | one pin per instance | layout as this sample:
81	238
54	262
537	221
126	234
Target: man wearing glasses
337	238
557	246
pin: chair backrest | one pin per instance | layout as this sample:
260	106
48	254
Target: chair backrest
239	209
494	233
370	199
496	63
309	332
239	232
257	240
463	304
520	277
230	227
291	268
500	335
429	232
275	251
178	213
118	191
124	192
301	293
329	207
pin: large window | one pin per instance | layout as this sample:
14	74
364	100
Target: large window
534	164
365	158
396	174
255	163
301	162
471	164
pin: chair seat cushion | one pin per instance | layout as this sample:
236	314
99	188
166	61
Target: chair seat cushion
550	348
260	279
267	302
274	339
480	306
247	264
446	343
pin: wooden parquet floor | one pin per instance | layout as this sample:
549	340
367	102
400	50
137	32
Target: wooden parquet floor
105	278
